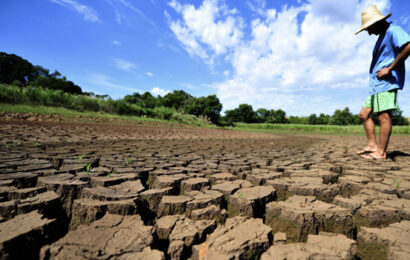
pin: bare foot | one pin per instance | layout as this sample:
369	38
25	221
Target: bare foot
374	156
367	149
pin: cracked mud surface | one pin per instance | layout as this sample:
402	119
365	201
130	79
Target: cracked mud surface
110	191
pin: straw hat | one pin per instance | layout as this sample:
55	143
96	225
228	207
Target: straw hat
370	16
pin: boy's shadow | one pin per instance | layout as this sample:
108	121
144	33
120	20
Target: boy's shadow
395	154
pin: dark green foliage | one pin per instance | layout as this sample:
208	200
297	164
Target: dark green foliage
398	119
244	113
209	107
312	119
56	84
178	99
14	69
19	72
145	100
323	119
343	117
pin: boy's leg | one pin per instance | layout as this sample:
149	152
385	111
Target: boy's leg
386	103
369	128
385	133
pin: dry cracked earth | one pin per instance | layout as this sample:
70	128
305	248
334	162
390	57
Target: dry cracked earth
107	191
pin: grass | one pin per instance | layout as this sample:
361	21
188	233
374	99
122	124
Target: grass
194	121
38	109
313	129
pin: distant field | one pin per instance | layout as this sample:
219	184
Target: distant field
314	129
184	119
267	128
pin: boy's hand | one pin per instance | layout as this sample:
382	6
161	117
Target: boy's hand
383	72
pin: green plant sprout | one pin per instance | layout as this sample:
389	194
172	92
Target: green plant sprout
109	175
88	167
37	144
128	161
80	157
397	183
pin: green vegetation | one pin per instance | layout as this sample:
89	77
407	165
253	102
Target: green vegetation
312	129
44	105
20	72
25	84
371	250
245	114
128	161
88	167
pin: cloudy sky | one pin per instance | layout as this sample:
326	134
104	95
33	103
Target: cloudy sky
298	55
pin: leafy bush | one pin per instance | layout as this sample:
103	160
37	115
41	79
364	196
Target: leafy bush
163	113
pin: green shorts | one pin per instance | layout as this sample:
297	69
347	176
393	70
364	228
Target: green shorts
382	101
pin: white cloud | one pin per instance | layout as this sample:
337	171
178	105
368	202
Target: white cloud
149	74
115	42
89	14
210	30
124	65
159	91
121	6
291	56
105	82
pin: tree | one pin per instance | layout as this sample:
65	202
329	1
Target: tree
263	115
209	107
244	113
312	119
14	68
57	84
342	117
278	116
398	119
178	99
323	119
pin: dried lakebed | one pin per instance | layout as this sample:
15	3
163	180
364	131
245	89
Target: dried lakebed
106	191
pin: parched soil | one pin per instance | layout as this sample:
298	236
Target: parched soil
144	191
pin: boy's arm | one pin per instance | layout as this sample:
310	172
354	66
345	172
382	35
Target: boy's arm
405	52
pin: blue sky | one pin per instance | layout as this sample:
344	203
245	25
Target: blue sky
297	55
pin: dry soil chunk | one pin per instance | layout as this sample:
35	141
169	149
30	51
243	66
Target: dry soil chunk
66	186
322	246
20	180
392	242
186	233
380	213
165	181
203	199
261	176
222	177
147	253
115	179
299	216
239	238
153	197
171	205
227	188
194	184
109	237
251	201
123	191
24	235
304	186
85	211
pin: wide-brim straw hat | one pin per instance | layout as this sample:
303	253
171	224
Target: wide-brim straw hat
371	16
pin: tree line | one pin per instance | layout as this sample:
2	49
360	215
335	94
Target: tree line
30	79
245	113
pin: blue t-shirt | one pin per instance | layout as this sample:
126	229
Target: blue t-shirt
387	47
